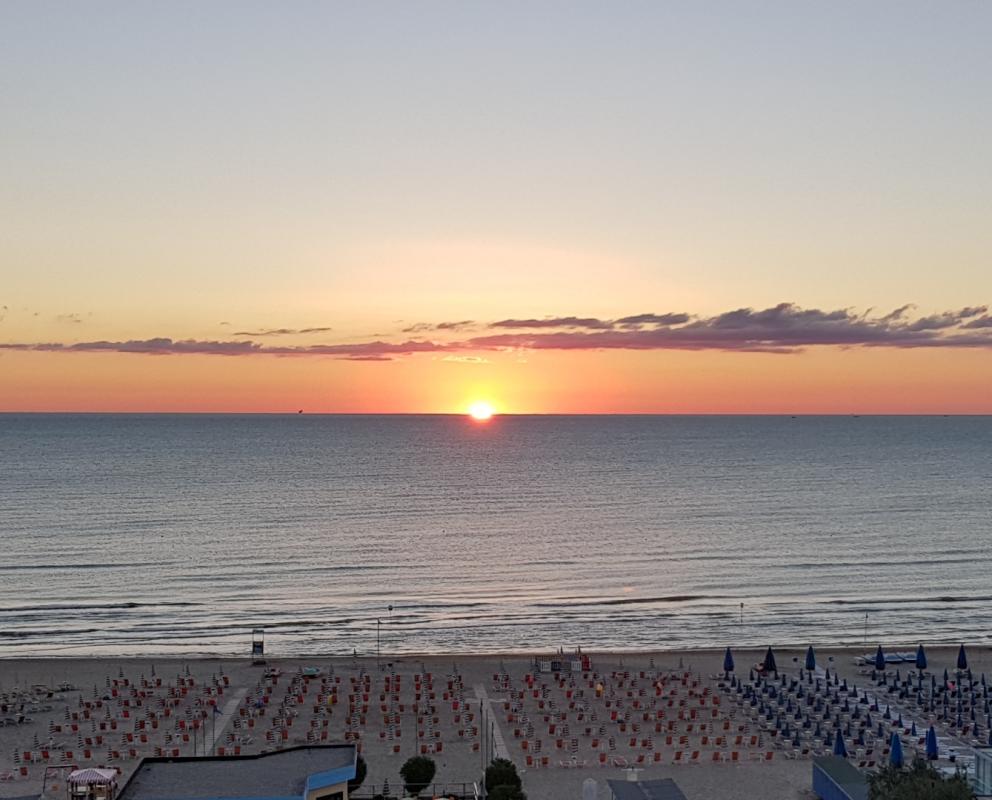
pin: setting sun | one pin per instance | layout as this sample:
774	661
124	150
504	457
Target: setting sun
480	411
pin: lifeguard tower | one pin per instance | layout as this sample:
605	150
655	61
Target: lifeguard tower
563	662
258	647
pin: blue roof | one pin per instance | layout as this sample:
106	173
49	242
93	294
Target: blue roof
321	780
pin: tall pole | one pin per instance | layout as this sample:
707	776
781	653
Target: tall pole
866	629
378	647
742	613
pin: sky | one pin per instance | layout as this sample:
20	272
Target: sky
552	207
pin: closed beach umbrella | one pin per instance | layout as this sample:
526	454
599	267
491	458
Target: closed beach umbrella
912	730
946	678
921	658
880	659
769	662
895	751
810	659
728	661
931	744
839	748
962	659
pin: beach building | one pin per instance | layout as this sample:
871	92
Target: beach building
983	772
835	778
663	789
308	772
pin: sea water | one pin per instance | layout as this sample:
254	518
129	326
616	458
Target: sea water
148	534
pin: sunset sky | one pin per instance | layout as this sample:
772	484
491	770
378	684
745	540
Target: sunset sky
689	207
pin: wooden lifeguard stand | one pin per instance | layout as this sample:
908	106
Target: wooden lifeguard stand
258	647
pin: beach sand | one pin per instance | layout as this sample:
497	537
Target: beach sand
467	701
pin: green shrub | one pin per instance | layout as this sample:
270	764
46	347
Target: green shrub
417	773
501	772
918	782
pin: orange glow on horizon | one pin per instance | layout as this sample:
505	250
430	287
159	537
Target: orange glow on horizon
819	381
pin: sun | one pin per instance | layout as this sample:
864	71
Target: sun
480	411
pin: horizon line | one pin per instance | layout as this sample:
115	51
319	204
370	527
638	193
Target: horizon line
304	413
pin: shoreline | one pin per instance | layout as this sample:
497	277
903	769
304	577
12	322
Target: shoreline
835	649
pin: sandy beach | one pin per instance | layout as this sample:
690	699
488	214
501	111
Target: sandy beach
649	711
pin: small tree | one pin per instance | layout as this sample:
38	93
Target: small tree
919	782
502	772
506	792
417	773
361	770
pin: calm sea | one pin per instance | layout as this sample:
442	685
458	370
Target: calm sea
142	534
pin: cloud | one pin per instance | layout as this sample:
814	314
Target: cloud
947	319
281	331
424	327
652	319
554	322
466	359
781	329
73	318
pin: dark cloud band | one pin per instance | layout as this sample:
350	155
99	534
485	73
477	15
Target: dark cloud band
784	328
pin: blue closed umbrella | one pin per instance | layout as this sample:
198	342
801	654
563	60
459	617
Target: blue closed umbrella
880	659
912	730
769	662
728	661
839	748
895	751
810	659
946	678
921	658
962	659
931	744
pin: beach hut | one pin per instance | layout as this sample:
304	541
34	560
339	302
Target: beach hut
92	784
836	779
